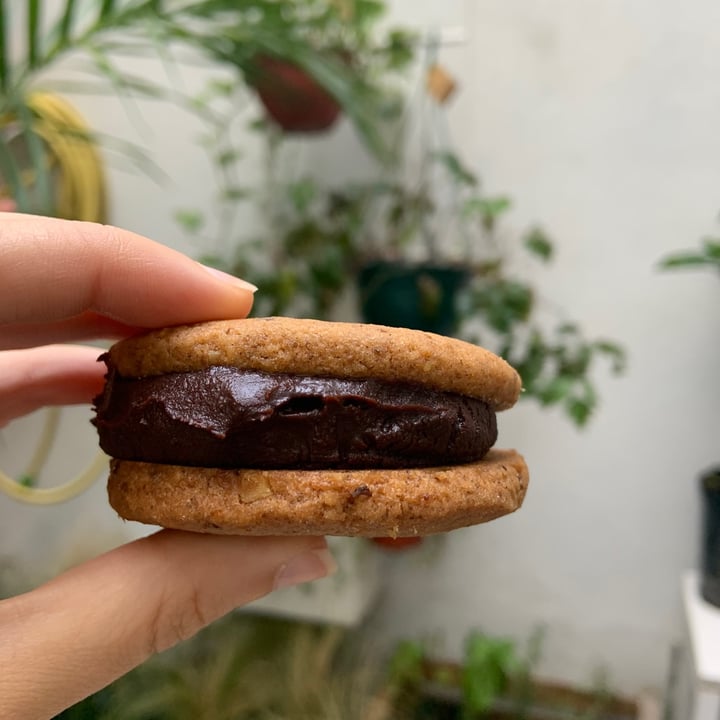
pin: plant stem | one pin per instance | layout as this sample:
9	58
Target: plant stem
33	21
4	67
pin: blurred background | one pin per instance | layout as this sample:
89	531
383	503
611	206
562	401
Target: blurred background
538	177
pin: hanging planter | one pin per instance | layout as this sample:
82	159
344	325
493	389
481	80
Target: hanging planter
397	544
292	97
710	556
420	297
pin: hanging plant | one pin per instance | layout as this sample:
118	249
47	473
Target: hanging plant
292	97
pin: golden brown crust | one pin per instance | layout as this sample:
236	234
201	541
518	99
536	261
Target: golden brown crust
369	503
319	348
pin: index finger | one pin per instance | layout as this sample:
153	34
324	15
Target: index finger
54	270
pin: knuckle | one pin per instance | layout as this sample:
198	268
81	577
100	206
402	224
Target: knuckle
178	616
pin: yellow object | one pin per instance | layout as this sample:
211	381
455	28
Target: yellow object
61	493
72	151
81	188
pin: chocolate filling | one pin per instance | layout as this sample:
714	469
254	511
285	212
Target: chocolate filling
231	418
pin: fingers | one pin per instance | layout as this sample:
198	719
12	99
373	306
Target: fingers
50	375
92	624
56	270
86	326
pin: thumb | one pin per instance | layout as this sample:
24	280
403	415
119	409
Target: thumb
79	632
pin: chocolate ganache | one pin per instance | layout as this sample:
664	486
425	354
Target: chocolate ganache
230	418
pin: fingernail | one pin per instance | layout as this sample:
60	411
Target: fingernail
305	567
226	277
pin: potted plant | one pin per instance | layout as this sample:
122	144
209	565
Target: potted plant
310	60
49	157
420	293
321	244
424	247
706	256
493	680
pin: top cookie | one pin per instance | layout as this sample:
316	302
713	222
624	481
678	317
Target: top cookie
320	348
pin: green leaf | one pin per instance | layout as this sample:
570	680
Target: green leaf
400	49
708	255
567	328
711	247
39	162
191	221
33	22
556	390
579	410
615	352
533	363
302	194
488	210
687	260
4	65
11	175
66	22
106	7
488	664
574	360
492	209
459	173
235	193
406	663
503	302
367	12
538	243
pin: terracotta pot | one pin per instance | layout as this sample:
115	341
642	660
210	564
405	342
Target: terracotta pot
396	544
291	97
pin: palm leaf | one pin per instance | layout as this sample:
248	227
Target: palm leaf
106	8
39	164
11	175
33	23
4	67
66	22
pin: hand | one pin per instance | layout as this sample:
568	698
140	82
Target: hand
63	281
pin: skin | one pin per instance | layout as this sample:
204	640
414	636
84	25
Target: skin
64	281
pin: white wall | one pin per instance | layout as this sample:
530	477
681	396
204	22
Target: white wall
600	119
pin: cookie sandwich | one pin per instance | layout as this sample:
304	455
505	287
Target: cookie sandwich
275	426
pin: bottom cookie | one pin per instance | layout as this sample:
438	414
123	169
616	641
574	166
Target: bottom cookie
370	503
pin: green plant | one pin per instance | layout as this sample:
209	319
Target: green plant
708	255
336	41
247	667
489	664
229	32
490	668
494	678
317	241
33	134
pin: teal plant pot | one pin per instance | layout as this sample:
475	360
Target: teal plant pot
710	549
419	297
